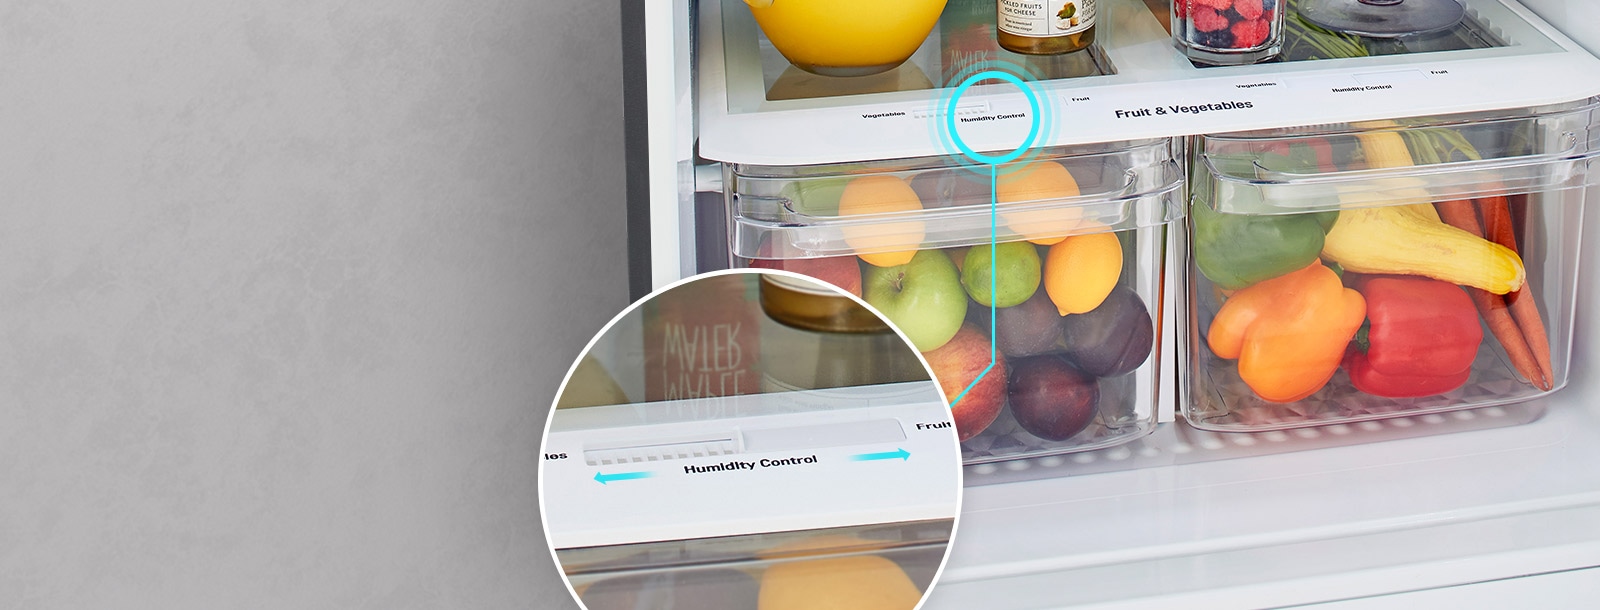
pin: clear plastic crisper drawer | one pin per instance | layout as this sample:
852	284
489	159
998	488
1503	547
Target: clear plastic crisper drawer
1362	271
1081	233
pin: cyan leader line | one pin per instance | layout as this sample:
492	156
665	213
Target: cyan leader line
994	206
948	134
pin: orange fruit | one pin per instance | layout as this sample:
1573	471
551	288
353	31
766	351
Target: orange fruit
859	582
1081	270
1036	182
884	244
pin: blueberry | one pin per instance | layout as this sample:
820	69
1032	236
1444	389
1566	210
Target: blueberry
1232	16
1220	39
1269	4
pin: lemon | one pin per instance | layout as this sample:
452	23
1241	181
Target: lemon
1036	182
1081	270
882	244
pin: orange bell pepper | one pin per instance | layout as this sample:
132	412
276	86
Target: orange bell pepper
1288	333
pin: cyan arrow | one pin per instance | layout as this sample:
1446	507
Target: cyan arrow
900	454
621	476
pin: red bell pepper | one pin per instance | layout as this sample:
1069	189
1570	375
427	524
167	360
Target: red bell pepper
1423	338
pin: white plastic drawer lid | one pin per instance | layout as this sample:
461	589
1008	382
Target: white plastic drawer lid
841	209
1440	158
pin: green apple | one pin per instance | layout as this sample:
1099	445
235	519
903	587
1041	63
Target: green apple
1016	273
923	298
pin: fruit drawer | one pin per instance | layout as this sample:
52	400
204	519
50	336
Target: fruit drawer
1078	255
892	563
1357	272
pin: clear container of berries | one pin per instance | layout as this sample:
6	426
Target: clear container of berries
1228	32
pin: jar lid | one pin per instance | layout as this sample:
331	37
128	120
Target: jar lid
810	305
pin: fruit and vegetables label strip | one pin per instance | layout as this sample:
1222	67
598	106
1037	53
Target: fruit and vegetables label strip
994	205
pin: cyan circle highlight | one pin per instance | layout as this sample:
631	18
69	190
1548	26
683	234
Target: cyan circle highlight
1033	129
940	134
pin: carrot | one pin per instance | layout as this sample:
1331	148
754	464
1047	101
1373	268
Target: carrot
1526	314
1492	307
1499	228
1519	215
1498	318
1460	214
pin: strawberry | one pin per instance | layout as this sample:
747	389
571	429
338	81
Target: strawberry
1217	5
1249	9
1180	8
1208	20
1250	33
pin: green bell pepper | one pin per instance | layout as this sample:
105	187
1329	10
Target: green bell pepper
1239	250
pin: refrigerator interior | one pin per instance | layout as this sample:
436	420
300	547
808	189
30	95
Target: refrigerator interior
1182	515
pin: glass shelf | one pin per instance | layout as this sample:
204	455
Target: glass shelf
1304	41
756	108
964	37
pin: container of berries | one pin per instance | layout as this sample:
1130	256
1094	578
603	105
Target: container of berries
1228	32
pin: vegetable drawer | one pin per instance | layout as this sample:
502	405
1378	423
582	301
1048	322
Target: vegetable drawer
1079	237
1355	272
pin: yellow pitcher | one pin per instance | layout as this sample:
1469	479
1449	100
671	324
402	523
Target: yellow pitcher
846	37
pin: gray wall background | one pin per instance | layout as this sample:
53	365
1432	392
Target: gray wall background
286	289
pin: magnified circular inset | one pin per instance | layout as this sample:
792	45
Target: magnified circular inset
750	439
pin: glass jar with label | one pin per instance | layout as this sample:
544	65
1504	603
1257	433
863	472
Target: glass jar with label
1045	27
816	338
